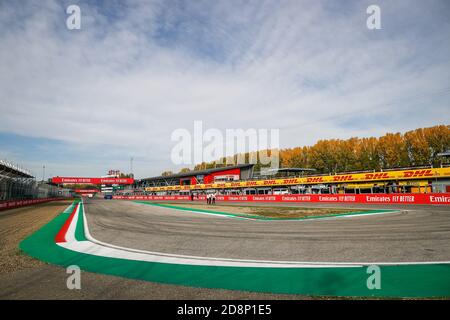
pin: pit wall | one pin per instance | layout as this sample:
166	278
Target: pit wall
5	205
379	198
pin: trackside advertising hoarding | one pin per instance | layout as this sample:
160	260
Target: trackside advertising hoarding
380	198
86	190
4	205
75	180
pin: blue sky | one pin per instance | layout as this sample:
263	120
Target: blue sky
85	101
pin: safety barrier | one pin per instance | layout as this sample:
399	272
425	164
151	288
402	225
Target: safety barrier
5	205
379	198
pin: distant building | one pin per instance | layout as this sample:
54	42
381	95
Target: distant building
224	174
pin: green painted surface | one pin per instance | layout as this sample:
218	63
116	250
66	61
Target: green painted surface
396	281
257	217
70	208
79	231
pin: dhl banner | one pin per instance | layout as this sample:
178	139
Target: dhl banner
339	178
399	198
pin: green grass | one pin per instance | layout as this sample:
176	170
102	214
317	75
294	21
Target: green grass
264	212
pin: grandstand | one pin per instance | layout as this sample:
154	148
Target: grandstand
230	173
297	181
17	183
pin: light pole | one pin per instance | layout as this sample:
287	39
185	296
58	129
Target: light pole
131	166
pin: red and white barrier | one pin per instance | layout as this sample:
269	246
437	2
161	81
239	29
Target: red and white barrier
379	198
154	197
5	205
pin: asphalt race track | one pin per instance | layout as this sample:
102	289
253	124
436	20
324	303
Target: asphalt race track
412	234
405	247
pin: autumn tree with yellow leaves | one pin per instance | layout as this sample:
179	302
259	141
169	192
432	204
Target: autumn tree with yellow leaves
418	147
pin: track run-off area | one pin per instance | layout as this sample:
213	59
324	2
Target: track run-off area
326	256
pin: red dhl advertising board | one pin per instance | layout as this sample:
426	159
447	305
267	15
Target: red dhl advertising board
77	180
399	198
339	178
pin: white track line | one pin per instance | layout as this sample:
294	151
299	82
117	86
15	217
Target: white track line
218	214
99	248
225	215
69	208
70	234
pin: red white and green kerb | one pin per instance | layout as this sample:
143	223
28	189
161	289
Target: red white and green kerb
66	241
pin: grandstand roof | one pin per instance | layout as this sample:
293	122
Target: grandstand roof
444	154
287	170
13	171
199	172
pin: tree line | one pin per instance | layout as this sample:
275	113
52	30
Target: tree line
419	147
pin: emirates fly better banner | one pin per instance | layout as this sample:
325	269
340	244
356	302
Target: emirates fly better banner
379	198
74	180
